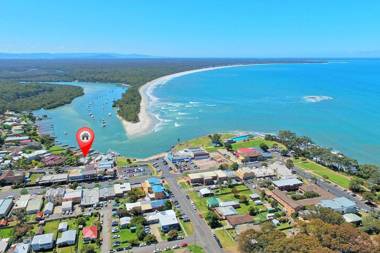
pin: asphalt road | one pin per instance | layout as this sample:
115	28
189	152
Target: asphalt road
106	228
202	232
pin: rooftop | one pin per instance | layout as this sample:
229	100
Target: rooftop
287	182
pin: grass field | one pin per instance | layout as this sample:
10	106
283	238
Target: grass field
199	202
203	141
196	249
319	170
255	143
6	232
225	238
121	161
187	227
56	150
34	177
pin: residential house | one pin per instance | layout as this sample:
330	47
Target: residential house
124	222
67	238
225	211
5	206
235	220
49	208
20	248
67	206
21	203
62	227
43	242
90	233
34	204
168	220
12	177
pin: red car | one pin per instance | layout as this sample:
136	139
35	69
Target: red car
183	244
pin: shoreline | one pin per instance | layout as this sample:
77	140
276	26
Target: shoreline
147	120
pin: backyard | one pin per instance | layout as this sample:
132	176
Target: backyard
255	142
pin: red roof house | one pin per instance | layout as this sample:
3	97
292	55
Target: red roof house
90	233
248	154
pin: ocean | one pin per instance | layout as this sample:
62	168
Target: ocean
334	103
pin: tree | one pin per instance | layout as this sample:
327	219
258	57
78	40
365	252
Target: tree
356	185
212	220
24	191
289	164
81	221
150	238
367	170
223	166
325	214
243	199
234	166
21	230
88	249
216	139
251	241
264	146
168	205
228	146
172	235
138	220
140	232
253	211
371	223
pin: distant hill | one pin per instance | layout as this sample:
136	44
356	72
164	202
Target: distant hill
72	56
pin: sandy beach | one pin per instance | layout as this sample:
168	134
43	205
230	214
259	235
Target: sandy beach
147	119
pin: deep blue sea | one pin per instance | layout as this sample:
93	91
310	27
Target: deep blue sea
343	112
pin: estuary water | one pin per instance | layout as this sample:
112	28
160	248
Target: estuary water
336	104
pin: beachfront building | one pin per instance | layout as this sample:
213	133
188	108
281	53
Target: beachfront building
246	155
154	189
21	203
55	195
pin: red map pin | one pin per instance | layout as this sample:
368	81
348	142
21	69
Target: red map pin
85	137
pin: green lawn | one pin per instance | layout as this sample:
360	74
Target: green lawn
56	150
199	202
34	177
261	217
52	227
121	161
6	233
68	249
322	171
255	143
203	141
225	238
196	249
187	227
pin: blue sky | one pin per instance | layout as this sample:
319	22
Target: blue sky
213	28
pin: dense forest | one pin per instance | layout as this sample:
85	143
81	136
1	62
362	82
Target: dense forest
25	97
134	72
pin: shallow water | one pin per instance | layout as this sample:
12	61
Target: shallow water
336	104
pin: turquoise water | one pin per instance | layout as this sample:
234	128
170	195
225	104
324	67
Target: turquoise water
264	98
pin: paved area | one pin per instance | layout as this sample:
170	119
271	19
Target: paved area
203	235
162	245
106	230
